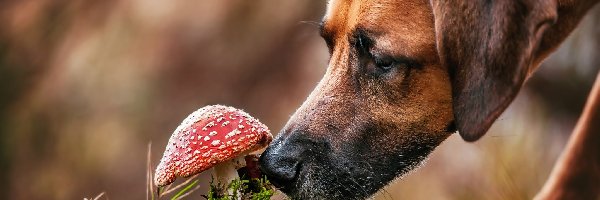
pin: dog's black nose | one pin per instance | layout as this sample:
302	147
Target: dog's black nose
282	160
280	165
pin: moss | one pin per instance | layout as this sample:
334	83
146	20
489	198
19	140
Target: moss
254	189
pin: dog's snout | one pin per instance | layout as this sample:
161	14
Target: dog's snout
283	160
281	165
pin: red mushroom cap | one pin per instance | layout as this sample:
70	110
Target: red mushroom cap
208	136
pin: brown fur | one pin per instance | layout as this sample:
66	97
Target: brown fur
428	96
403	76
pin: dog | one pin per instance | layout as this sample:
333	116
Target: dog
404	75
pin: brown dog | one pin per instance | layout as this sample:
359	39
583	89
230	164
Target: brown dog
403	76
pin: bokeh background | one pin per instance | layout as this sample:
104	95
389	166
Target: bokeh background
86	85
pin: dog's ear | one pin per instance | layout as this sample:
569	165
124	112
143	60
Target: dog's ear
487	47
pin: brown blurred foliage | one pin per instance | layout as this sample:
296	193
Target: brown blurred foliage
85	85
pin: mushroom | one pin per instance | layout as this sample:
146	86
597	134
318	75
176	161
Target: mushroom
213	136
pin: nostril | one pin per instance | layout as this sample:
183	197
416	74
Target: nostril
281	175
281	171
285	159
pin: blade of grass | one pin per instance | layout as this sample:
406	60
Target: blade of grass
99	195
149	179
184	190
169	189
160	190
189	192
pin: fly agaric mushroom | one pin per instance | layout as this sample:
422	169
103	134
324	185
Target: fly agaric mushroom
213	136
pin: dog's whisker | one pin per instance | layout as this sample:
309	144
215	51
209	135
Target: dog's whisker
388	196
314	23
359	186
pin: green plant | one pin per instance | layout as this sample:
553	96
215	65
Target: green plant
254	189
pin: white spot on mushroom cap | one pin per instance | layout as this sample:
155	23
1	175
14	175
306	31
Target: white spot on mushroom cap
232	133
225	123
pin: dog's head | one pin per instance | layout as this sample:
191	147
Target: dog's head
403	75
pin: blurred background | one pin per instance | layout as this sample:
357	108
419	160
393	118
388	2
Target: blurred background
86	85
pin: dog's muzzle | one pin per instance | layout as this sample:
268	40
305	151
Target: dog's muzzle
281	164
283	159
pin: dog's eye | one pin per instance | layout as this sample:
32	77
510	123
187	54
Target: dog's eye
376	61
384	64
387	64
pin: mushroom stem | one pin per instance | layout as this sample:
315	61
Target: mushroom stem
226	172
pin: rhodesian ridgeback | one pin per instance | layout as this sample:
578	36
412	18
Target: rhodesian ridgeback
406	74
